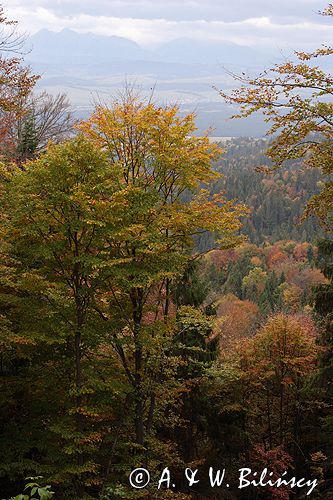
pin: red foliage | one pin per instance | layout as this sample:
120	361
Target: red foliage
275	256
236	319
221	258
277	461
154	309
301	251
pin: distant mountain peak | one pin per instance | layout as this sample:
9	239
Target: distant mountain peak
73	47
70	46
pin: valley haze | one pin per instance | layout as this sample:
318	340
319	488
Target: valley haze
93	68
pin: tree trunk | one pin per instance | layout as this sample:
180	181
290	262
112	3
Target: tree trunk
78	400
139	397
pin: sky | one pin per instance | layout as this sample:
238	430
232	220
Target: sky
279	24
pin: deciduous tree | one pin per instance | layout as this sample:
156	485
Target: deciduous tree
99	229
158	161
16	80
296	99
274	366
38	119
61	212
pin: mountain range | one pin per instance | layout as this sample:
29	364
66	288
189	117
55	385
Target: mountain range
88	66
73	47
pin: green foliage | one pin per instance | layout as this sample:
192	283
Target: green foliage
192	289
59	216
94	244
192	342
323	306
123	343
276	277
27	146
37	492
277	200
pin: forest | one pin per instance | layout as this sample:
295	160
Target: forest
166	301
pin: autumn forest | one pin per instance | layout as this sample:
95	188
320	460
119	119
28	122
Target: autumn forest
165	300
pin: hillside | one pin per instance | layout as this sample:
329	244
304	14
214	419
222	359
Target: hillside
276	200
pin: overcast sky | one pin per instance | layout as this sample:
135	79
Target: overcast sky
282	24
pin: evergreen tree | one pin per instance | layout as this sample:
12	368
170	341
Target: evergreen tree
28	143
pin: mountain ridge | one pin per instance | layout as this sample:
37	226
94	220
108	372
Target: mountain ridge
82	46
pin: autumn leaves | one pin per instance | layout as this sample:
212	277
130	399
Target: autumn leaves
98	228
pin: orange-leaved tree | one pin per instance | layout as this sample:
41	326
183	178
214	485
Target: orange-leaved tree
296	99
274	367
99	229
16	80
161	205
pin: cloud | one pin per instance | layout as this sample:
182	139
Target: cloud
284	25
187	10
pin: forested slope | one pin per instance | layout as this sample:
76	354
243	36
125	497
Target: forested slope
276	199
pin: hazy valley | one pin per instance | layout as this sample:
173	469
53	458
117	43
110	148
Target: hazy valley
92	68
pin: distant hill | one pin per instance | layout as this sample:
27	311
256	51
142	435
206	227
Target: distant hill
88	66
68	46
186	50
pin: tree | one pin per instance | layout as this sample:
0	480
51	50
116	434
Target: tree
61	213
254	283
236	319
192	288
323	306
197	350
11	40
295	98
99	230
158	162
274	366
42	118
16	81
